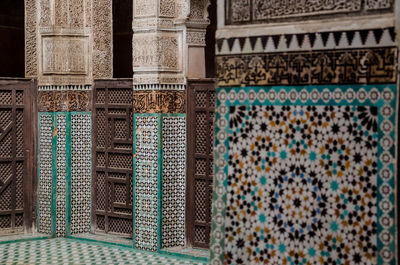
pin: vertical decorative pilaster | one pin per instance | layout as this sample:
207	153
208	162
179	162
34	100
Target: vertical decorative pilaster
64	173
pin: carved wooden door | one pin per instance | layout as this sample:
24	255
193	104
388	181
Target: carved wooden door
201	112
16	155
112	185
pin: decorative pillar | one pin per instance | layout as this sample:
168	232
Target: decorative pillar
62	52
159	82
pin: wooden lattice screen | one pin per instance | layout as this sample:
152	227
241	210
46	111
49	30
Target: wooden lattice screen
16	155
112	148
201	111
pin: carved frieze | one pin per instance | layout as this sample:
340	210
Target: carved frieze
259	11
65	55
52	101
357	66
159	102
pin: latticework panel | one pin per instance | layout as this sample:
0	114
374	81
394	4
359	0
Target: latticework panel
146	182
173	182
200	161
11	159
61	175
16	145
112	207
81	154
45	173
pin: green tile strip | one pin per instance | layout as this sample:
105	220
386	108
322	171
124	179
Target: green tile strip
159	183
68	175
54	175
105	242
183	255
24	238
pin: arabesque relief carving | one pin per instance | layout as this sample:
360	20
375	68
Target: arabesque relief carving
159	102
52	101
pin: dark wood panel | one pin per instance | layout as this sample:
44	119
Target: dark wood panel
201	112
113	159
16	155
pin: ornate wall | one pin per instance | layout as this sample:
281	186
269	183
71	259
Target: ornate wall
306	129
66	46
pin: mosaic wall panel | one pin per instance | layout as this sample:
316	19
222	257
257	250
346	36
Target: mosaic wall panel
146	199
61	170
264	11
45	174
305	175
64	173
81	173
173	180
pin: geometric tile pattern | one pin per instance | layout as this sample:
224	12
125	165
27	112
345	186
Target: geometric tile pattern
81	169
173	180
146	182
45	173
368	38
66	251
312	169
61	175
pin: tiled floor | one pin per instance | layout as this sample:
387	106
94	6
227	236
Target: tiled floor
67	251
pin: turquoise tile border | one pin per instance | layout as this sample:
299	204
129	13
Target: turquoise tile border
382	96
159	184
54	175
68	176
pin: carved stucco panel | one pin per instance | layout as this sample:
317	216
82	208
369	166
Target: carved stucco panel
378	4
153	50
61	13
31	21
102	39
198	9
88	13
168	8
145	8
76	11
65	55
45	13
